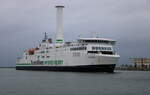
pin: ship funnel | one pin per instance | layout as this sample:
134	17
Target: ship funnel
59	27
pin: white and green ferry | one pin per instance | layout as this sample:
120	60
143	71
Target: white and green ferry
86	54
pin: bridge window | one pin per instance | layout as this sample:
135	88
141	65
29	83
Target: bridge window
97	41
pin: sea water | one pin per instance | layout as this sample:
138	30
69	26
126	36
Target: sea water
17	82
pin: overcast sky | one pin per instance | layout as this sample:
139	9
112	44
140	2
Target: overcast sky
23	23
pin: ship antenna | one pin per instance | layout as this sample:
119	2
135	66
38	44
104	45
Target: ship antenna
45	36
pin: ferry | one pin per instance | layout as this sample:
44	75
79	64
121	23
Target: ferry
93	54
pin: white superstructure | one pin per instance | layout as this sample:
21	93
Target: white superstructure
85	54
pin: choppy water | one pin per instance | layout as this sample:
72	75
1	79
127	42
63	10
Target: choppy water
14	82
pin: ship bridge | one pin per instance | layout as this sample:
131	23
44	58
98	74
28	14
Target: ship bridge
97	40
98	45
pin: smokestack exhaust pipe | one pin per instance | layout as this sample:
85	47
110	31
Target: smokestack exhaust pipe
59	27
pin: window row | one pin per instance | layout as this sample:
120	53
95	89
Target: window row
78	48
101	48
97	41
44	51
43	56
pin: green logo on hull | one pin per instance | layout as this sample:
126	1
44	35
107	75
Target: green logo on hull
54	62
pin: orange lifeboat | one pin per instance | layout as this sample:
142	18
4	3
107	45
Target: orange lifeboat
31	51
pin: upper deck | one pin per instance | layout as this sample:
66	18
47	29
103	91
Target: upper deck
97	40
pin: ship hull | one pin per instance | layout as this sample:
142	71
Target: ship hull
83	68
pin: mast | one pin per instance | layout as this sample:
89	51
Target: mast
45	37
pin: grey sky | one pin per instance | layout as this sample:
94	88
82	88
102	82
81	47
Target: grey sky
23	22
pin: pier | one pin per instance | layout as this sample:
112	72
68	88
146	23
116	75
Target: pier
141	64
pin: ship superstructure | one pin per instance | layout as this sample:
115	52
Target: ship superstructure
85	54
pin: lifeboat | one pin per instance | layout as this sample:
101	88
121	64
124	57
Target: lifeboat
31	51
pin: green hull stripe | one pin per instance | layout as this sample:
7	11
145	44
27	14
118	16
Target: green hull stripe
24	64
